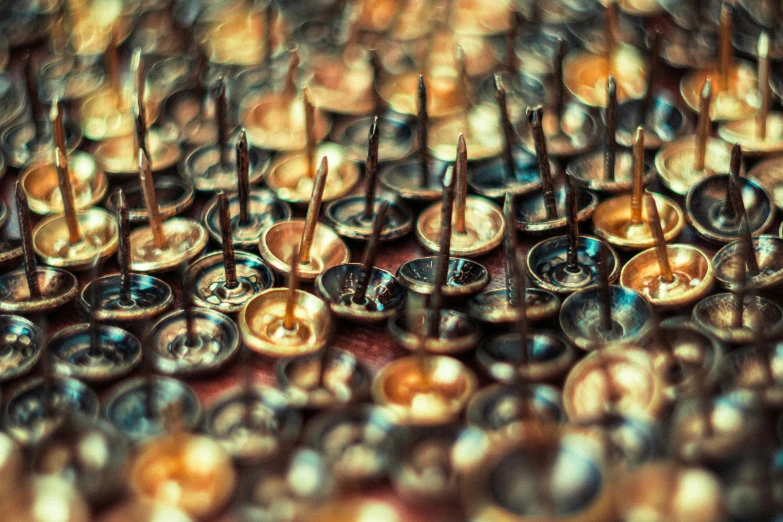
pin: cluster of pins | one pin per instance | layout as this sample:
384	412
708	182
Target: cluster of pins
238	198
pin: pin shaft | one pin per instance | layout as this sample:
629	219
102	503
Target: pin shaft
508	130
243	179
461	189
610	145
371	170
704	127
66	190
654	222
311	219
572	253
25	230
229	262
124	251
422	131
638	176
604	301
221	115
151	201
442	260
763	82
289	319
371	253
309	111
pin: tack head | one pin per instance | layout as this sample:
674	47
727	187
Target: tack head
117	353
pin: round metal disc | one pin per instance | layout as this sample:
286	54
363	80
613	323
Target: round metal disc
274	424
589	172
99	239
69	78
493	306
768	251
548	357
116	354
10	254
117	155
665	121
631	315
186	239
40	184
484	228
126	406
404	179
548	267
208	274
21	147
26	419
396	138
463	278
760	318
173	193
346	379
499	407
711	214
171	74
456	333
263	208
531	213
185	110
337	286
149	297
489	178
216	343
203	170
576	134
12	99
20	346
57	288
346	217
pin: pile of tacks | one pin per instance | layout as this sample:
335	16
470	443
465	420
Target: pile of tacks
184	336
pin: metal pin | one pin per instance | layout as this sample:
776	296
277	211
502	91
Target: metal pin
191	339
140	119
289	320
735	198
461	180
655	46
289	85
138	105
269	28
654	222
704	127
463	84
58	129
515	275
422	131
442	262
243	178
604	302
377	68
313	209
249	397
535	118
572	253
95	331
69	207
557	83
370	253
739	285
124	250
48	380
221	114
512	62
763	83
139	74
229	262
309	111
610	147
612	15
509	250
371	170
31	82
734	207
26	231
725	59
112	60
508	130
638	176
151	201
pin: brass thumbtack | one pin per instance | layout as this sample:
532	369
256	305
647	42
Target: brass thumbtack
33	289
734	94
252	210
478	223
343	83
596	316
607	171
611	28
163	245
523	356
630	385
769	173
21	346
281	322
464	277
94	352
564	264
127	296
278	121
570	129
739	317
40	179
761	134
426	470
515	170
323	380
446	100
764	261
291	177
175	485
140	407
362	292
621	220
175	196
438	330
76	238
209	168
31	141
658	113
193	340
689	159
253	423
499	306
417	180
669	276
319	247
499	409
714	204
117	154
224	281
352	217
545	211
40	404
